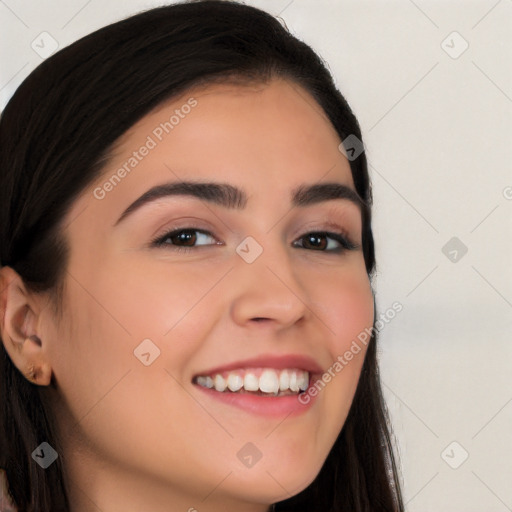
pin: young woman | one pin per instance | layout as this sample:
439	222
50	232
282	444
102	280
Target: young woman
186	249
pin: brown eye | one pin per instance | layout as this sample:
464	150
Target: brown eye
318	241
315	241
184	239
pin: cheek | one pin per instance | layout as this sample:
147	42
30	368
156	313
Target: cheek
92	350
345	305
152	300
111	394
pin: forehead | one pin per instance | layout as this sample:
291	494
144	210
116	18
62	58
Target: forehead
255	124
264	138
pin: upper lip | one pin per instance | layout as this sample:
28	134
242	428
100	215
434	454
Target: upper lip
278	362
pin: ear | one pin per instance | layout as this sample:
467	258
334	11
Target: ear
19	321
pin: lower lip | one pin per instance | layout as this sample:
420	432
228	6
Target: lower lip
272	406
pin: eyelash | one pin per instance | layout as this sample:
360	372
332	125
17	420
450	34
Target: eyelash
345	243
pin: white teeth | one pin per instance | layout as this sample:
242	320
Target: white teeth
235	382
303	381
219	382
284	380
251	382
293	382
269	381
206	382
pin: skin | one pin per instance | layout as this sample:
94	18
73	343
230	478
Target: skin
141	437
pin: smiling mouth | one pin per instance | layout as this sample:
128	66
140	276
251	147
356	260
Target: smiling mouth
257	381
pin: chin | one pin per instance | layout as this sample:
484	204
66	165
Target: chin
274	485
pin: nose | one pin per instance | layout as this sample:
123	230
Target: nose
268	290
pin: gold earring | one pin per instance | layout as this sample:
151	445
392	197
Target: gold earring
32	373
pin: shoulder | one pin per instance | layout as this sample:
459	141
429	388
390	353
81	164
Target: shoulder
5	502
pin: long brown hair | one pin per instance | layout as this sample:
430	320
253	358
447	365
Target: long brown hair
56	133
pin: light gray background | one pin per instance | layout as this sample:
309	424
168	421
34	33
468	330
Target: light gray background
438	132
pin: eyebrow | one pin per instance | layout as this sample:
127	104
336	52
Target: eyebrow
228	196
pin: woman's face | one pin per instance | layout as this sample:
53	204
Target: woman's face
240	279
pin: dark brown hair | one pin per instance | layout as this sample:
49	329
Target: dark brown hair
56	135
